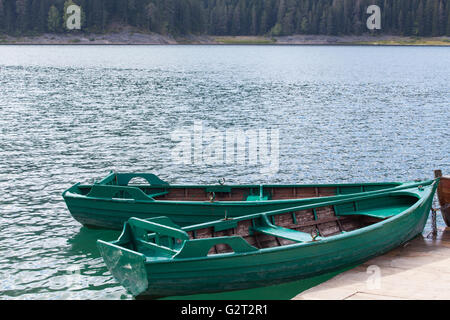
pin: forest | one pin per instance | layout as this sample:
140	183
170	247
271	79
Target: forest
229	17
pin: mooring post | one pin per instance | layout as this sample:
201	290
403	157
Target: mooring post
437	174
433	222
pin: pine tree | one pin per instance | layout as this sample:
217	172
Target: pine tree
36	21
386	14
220	18
254	26
331	30
42	16
152	14
420	21
442	17
277	30
287	24
54	21
198	19
435	21
323	23
281	10
448	20
428	17
304	27
400	22
357	23
22	17
236	21
233	17
99	15
2	16
347	16
266	18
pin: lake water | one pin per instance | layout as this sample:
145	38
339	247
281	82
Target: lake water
73	113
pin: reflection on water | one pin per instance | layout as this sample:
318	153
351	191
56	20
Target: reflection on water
85	241
70	114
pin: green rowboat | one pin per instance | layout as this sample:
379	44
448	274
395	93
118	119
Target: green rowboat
156	258
110	202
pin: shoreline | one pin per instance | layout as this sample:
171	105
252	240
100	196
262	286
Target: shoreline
137	38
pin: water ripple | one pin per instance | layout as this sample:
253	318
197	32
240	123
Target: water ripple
70	114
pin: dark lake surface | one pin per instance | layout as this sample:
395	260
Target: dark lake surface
73	113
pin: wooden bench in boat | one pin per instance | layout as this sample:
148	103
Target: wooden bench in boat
284	233
280	232
163	226
380	213
256	198
153	195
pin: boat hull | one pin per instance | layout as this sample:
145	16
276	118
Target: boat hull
107	212
229	272
282	266
112	214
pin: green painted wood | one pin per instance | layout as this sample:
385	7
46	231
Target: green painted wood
257	198
153	195
267	227
218	189
225	225
284	233
110	202
158	228
158	249
381	213
110	192
124	178
164	221
127	266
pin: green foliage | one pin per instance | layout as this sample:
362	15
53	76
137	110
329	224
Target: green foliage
276	30
231	17
54	20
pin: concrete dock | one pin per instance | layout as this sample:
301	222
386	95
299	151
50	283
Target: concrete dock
420	269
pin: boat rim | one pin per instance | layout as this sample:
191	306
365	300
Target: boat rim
402	185
343	236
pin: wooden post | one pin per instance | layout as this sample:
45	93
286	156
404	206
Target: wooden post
443	193
433	223
437	174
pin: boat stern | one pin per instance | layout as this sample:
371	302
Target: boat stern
127	266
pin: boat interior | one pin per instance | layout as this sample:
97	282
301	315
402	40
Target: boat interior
150	187
159	237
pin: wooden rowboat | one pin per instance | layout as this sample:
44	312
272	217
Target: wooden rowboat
156	258
110	202
443	192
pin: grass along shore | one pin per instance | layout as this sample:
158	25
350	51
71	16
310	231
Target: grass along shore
132	37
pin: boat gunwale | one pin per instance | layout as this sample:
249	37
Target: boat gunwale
323	241
399	186
177	186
